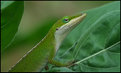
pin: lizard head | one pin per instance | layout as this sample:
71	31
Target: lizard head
68	23
65	25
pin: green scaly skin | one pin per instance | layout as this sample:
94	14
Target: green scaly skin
36	59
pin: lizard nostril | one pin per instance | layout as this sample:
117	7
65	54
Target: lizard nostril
56	28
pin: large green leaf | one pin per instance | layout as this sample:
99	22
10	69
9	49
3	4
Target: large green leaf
95	43
11	14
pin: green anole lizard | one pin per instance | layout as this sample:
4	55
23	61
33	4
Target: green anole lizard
45	50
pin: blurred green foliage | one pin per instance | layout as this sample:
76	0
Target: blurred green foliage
11	16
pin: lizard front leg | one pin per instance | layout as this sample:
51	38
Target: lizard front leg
56	63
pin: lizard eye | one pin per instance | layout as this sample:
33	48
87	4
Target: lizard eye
65	19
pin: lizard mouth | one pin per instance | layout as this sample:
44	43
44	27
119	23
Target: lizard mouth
72	23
